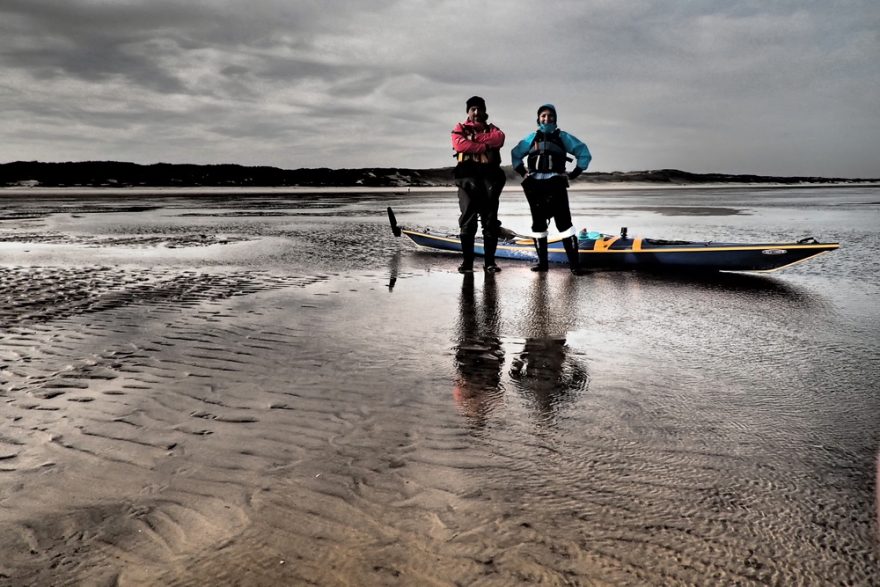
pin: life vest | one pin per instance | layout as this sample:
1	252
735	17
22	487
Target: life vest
547	153
489	156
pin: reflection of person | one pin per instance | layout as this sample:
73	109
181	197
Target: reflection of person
540	370
545	182
544	369
479	356
480	180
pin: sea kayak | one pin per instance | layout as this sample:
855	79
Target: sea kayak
623	252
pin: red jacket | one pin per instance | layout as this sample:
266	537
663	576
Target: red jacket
476	137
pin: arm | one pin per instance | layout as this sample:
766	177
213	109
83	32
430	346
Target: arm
577	148
493	138
462	143
521	150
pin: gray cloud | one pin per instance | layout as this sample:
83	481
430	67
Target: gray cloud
778	88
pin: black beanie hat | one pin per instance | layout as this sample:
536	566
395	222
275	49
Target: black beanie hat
475	101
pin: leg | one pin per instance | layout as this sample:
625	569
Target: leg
537	199
539	205
562	215
489	218
559	206
571	250
467	250
542	196
467	222
541	247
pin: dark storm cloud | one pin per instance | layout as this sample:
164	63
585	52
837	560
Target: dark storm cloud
83	41
710	86
149	43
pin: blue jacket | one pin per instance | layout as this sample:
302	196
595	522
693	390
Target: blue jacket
573	146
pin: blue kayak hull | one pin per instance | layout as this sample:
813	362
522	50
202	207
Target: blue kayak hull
616	253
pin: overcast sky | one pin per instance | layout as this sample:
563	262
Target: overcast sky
781	88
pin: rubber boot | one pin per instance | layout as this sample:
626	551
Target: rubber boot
467	249
541	247
571	250
490	243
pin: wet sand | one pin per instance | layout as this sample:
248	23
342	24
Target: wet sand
276	391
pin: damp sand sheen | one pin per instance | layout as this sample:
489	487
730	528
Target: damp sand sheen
271	390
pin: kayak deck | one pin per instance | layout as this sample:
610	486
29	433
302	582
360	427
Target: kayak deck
617	252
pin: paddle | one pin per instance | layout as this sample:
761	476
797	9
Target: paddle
394	227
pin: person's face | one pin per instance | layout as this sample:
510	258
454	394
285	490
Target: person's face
547	117
476	114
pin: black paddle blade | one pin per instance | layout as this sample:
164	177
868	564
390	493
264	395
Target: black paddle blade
394	228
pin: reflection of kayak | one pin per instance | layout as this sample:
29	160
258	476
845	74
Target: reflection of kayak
603	251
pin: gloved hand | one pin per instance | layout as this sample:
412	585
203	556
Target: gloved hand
521	169
574	173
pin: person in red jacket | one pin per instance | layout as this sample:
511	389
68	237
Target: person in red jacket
480	179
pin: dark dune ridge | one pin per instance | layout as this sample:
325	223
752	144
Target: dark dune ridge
123	174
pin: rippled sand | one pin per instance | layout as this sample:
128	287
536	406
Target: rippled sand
281	393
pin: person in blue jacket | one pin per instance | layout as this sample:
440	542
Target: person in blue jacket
545	182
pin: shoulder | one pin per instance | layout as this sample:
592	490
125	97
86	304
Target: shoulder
529	137
568	137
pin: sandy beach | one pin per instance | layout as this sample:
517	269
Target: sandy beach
260	388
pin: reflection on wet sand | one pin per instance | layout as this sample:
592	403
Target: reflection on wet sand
393	270
276	410
479	354
544	371
738	284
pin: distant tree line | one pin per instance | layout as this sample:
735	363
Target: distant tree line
122	174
